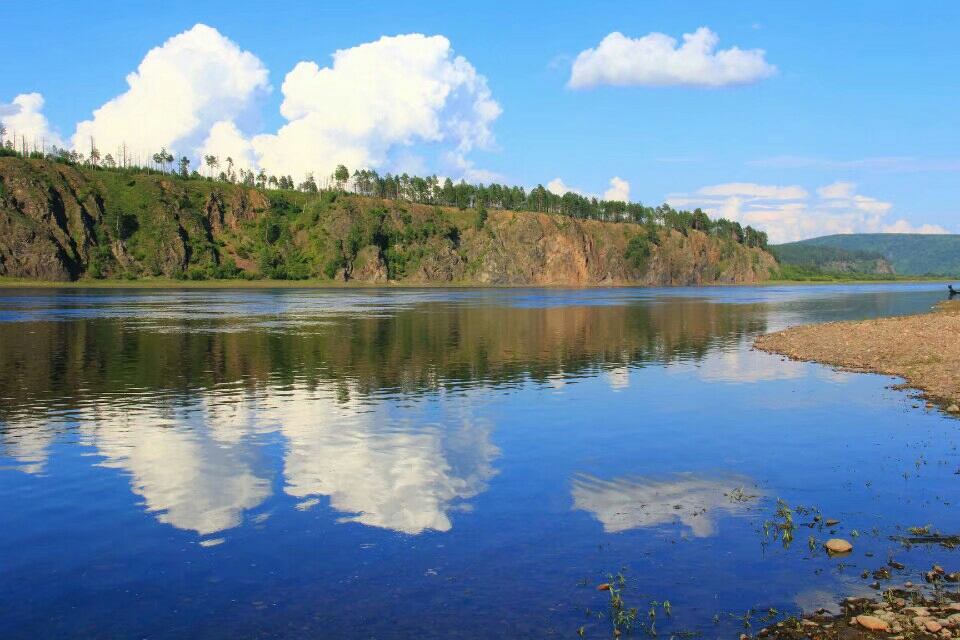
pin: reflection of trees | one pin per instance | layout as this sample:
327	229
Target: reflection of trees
410	349
178	403
632	502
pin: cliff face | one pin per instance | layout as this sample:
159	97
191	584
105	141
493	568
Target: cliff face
62	223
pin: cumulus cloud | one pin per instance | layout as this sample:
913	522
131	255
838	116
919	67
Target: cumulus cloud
25	121
789	213
224	141
200	94
619	190
657	60
179	92
751	190
558	186
902	226
394	92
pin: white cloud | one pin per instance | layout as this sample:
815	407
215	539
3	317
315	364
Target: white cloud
902	226
24	120
897	164
751	190
199	94
180	90
656	60
619	190
559	187
394	92
224	141
837	190
789	213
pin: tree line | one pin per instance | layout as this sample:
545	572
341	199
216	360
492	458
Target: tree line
429	190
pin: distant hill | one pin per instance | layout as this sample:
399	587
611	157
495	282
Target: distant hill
911	254
811	259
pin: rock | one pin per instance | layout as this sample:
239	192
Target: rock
933	626
930	405
872	623
953	409
832	523
908	585
937	569
603	587
952	577
916	611
838	546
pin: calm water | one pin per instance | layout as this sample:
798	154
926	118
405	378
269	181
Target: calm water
380	464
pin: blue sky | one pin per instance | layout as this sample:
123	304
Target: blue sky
856	129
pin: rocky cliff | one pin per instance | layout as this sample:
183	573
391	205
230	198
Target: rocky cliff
65	223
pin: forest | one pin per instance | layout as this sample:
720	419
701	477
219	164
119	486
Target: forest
429	190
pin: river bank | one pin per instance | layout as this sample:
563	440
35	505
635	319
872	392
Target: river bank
923	349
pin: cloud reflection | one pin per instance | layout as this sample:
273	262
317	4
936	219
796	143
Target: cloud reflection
632	502
194	478
199	463
404	478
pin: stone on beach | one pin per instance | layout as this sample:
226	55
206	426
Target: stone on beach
872	623
838	546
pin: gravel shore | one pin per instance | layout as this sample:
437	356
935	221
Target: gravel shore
924	349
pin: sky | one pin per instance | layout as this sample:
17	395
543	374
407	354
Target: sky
801	119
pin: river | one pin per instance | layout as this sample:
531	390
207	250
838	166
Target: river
446	463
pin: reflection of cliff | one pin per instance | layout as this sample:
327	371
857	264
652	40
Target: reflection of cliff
198	465
631	502
426	346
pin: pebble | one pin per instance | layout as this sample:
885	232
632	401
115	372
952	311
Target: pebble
603	587
953	409
933	626
872	623
832	523
838	545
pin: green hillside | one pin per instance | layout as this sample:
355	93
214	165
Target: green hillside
910	254
815	259
60	221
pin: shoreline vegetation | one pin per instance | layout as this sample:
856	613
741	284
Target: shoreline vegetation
923	349
7	282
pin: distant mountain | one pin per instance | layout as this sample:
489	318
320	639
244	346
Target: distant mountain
811	259
911	254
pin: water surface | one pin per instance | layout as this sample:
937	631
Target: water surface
441	463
